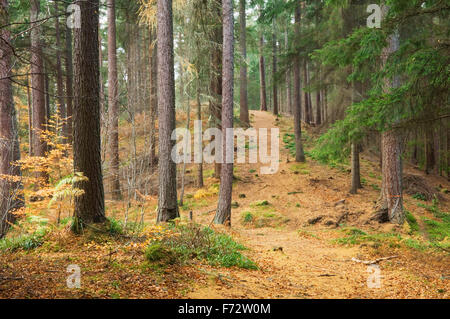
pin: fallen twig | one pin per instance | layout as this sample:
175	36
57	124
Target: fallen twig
11	278
371	262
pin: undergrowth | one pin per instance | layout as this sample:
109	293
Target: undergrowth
194	242
262	214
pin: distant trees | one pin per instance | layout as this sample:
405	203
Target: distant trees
167	204
328	53
223	213
90	206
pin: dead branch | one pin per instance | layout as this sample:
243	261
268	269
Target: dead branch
371	262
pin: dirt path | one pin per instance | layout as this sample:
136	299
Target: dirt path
300	261
292	244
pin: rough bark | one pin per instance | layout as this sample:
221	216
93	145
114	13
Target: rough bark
30	119
10	198
215	103
200	183
318	109
167	206
153	99
89	207
288	78
391	200
415	150
297	108
356	176
306	94
223	213
274	73
69	86
262	77
243	115
61	107
357	88
448	149
37	83
113	103
430	161
392	192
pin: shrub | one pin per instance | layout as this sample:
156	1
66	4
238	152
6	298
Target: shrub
157	252
25	242
201	243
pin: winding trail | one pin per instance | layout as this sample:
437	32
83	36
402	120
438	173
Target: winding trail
297	260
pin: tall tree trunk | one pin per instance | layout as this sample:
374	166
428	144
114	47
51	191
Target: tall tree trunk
356	176
243	115
113	103
167	206
447	122
183	174
10	199
288	79
262	76
103	119
318	109
216	76
223	214
200	183
30	119
392	196
299	153
274	71
306	94
181	74
391	150
415	150
318	100
69	86
37	84
325	105
153	98
90	206
61	108
430	161
48	111
356	147
437	147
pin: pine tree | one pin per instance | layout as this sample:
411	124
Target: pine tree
90	206
223	213
10	196
243	72
299	153
113	103
167	204
37	84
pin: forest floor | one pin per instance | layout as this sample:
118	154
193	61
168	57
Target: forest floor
301	227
